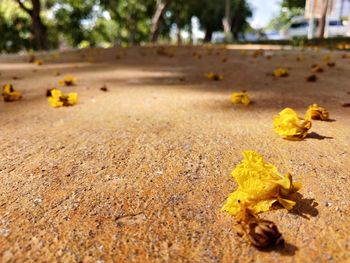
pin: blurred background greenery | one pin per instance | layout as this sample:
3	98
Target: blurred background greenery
51	24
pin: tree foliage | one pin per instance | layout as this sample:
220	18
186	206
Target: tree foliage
293	3
78	23
289	9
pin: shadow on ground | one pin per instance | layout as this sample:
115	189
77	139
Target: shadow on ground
305	207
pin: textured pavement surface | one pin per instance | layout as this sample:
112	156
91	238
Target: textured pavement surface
139	173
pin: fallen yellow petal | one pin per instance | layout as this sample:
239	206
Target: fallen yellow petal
280	72
316	112
316	68
240	98
259	186
68	80
57	99
291	127
38	62
9	94
214	76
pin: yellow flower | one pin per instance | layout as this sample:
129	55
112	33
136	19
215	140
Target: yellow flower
316	68
316	112
38	62
280	72
68	80
257	53
240	97
291	127
259	186
57	99
214	76
9	94
327	58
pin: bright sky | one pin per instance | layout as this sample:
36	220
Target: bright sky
263	11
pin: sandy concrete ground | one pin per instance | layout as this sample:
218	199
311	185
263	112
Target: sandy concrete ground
139	173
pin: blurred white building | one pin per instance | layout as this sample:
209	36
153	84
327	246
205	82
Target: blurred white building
337	16
336	8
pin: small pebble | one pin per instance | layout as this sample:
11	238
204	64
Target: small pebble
328	204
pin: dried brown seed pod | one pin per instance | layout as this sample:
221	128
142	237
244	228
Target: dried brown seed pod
311	78
48	92
264	233
104	88
316	68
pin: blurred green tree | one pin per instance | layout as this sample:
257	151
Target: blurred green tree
16	33
293	3
43	24
289	9
211	15
73	19
133	18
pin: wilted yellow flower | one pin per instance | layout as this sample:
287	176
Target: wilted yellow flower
280	72
9	94
316	112
291	127
57	99
316	68
327	58
68	80
240	98
214	76
38	62
257	53
259	186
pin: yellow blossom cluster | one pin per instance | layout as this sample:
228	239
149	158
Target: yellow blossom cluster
280	72
290	126
316	112
68	80
9	94
240	98
214	76
57	99
260	185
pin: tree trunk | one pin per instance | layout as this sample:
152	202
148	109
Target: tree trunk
40	33
178	35
323	19
190	31
226	22
157	18
208	35
236	20
178	28
39	29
